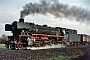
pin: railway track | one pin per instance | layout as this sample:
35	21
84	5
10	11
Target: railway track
41	54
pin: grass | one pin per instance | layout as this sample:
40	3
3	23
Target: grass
2	47
59	58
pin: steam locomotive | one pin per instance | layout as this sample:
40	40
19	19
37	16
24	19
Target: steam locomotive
27	34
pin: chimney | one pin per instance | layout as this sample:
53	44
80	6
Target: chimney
21	20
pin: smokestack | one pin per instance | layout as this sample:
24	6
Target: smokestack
21	20
21	17
57	9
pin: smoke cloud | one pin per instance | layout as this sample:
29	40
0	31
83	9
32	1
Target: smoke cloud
57	9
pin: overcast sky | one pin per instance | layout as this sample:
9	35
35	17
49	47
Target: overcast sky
10	11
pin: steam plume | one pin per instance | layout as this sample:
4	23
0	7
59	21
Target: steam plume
57	9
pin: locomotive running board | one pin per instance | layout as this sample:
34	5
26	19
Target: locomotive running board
46	47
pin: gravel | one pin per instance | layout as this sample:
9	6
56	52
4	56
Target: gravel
42	54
